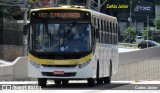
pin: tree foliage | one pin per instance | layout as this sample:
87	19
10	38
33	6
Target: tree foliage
10	12
147	32
129	34
157	22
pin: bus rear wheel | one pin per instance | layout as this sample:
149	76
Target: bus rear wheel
107	80
42	82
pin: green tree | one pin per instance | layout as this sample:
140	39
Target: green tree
157	22
129	34
4	12
156	36
7	11
147	33
157	29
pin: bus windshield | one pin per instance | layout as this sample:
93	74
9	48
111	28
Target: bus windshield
61	37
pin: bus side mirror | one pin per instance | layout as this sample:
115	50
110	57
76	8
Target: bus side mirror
25	29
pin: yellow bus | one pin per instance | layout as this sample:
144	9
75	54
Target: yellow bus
72	43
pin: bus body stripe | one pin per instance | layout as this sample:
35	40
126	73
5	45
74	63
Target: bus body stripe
59	62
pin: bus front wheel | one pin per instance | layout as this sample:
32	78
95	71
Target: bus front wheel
57	82
99	80
65	82
42	82
91	82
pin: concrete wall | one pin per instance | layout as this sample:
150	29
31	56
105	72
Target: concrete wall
139	65
136	56
11	39
18	70
10	52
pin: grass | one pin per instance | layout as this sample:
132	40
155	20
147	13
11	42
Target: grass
127	46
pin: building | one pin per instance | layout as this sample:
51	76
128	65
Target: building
142	13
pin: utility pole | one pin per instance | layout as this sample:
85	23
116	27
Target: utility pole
88	4
98	4
25	50
68	2
130	14
130	18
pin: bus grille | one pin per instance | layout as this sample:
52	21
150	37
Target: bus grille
59	65
65	74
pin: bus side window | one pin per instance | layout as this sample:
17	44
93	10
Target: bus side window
94	30
116	33
110	33
107	39
100	36
94	22
102	30
105	31
97	31
113	34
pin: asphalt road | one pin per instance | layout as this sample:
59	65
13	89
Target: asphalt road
81	86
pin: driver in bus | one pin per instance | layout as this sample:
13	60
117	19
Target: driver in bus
77	35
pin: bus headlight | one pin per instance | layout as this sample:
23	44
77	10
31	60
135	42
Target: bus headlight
35	64
84	64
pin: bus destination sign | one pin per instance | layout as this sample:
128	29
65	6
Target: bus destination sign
60	15
63	15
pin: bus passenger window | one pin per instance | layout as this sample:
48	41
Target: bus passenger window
107	32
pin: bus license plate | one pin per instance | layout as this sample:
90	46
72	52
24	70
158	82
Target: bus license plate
58	72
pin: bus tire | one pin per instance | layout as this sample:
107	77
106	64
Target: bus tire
42	82
99	80
57	82
107	80
65	82
91	82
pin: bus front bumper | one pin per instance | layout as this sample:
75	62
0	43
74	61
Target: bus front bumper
62	72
